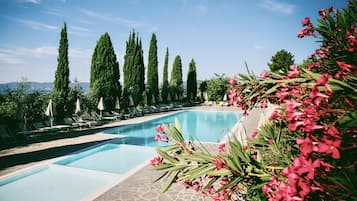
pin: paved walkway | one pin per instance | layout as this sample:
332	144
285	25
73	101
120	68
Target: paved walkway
140	187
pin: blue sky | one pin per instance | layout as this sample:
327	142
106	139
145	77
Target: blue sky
219	35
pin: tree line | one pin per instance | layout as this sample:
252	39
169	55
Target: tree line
105	75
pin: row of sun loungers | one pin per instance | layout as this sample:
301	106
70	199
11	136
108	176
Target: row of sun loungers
25	132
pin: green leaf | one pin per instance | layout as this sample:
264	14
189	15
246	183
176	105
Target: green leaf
166	156
160	177
198	172
229	184
235	165
163	166
221	172
169	181
211	182
195	158
177	125
176	167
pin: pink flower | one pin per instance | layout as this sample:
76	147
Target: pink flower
332	131
274	115
333	146
245	113
323	81
264	105
187	183
270	141
305	21
295	125
264	74
156	161
157	138
196	186
222	148
294	71
219	163
322	13
160	129
343	66
161	139
305	145
232	81
348	102
255	134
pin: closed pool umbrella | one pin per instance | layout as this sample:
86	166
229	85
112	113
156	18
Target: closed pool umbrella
206	96
225	97
153	101
49	111
160	98
101	105
131	101
145	98
168	97
117	104
78	107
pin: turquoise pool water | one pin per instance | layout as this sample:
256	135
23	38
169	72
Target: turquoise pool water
111	158
79	175
202	126
55	183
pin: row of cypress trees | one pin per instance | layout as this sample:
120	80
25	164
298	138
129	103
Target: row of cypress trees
105	74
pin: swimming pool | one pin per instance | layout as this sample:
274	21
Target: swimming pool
202	126
54	182
111	158
80	175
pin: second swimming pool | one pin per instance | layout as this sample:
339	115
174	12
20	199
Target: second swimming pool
202	126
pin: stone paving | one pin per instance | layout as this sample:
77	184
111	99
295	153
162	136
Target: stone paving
140	187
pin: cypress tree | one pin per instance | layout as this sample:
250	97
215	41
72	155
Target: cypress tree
61	83
134	70
165	80
176	83
192	81
152	83
105	75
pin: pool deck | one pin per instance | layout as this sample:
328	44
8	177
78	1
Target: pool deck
138	186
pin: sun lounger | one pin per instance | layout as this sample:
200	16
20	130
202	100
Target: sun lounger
90	123
71	121
108	116
41	127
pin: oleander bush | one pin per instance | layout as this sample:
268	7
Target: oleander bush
307	150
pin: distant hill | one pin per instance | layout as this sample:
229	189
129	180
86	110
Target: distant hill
38	86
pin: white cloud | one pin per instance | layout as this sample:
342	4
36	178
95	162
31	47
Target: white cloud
80	53
86	22
37	25
30	1
277	6
8	58
110	18
20	55
52	11
38	52
79	31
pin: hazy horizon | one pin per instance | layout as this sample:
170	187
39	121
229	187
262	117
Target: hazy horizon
219	35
